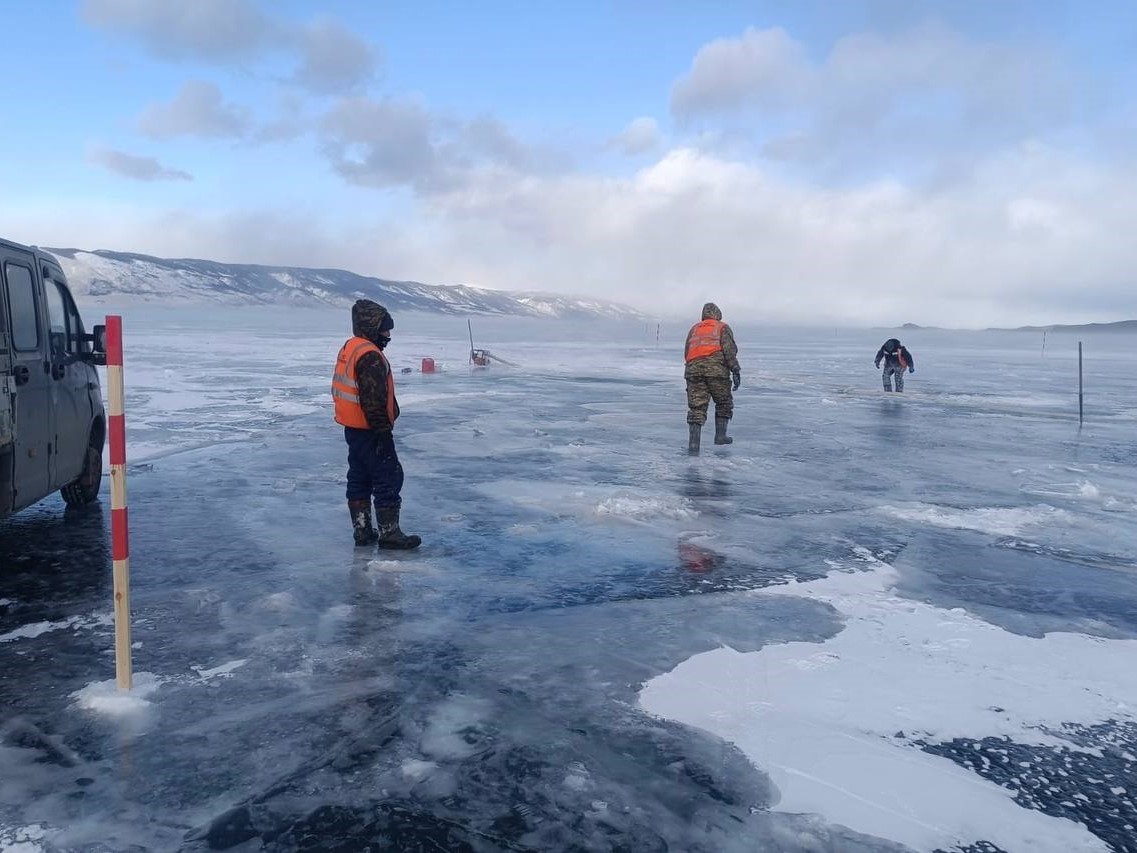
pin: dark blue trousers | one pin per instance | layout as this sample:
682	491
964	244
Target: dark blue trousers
373	468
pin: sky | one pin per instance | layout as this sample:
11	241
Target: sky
964	163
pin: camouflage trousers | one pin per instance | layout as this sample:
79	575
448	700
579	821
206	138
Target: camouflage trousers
701	390
887	375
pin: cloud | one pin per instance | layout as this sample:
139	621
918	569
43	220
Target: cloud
199	109
491	139
762	67
392	142
333	59
136	167
292	120
906	100
639	137
382	144
212	30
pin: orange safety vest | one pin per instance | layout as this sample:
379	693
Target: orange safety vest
704	339
345	390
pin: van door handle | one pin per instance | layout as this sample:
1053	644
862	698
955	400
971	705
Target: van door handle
22	374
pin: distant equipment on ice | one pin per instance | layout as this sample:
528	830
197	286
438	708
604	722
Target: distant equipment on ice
483	357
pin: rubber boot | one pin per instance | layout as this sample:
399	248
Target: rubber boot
390	536
696	434
720	431
364	533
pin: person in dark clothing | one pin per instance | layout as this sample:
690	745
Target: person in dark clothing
711	356
896	359
363	391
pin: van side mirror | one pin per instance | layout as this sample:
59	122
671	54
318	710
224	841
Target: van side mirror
98	341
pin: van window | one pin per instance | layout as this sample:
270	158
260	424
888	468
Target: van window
76	339
76	342
56	318
22	307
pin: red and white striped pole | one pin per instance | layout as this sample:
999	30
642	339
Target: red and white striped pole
120	540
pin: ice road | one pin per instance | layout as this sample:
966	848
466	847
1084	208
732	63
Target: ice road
873	623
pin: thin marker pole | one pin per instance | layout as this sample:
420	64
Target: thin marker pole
1080	398
120	539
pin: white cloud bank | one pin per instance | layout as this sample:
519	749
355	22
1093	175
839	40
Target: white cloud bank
1029	236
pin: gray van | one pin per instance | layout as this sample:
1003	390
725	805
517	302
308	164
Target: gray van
52	422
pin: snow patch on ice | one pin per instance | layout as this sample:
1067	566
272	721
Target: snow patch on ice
445	735
104	697
225	670
392	566
6	602
584	501
636	507
280	602
577	778
835	724
1083	490
23	839
36	629
331	620
415	770
1000	521
286	407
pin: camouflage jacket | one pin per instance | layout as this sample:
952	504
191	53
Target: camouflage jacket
371	376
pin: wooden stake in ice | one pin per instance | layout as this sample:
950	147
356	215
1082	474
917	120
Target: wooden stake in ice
120	540
1080	410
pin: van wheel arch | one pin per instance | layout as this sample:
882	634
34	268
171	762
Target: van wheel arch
84	489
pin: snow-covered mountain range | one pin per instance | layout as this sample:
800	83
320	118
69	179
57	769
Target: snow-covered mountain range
102	277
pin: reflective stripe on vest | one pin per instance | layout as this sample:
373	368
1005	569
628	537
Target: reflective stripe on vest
345	389
704	339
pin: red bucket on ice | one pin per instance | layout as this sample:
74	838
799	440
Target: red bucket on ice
428	365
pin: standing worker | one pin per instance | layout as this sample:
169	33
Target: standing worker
712	361
896	359
363	390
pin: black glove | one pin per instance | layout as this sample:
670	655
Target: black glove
911	370
876	364
737	379
384	444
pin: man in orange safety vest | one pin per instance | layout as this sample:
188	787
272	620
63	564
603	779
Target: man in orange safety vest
712	369
363	391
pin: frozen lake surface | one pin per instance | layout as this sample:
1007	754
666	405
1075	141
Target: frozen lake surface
873	623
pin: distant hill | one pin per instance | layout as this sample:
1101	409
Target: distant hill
1119	326
101	277
909	327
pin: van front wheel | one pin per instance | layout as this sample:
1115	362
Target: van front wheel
85	488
